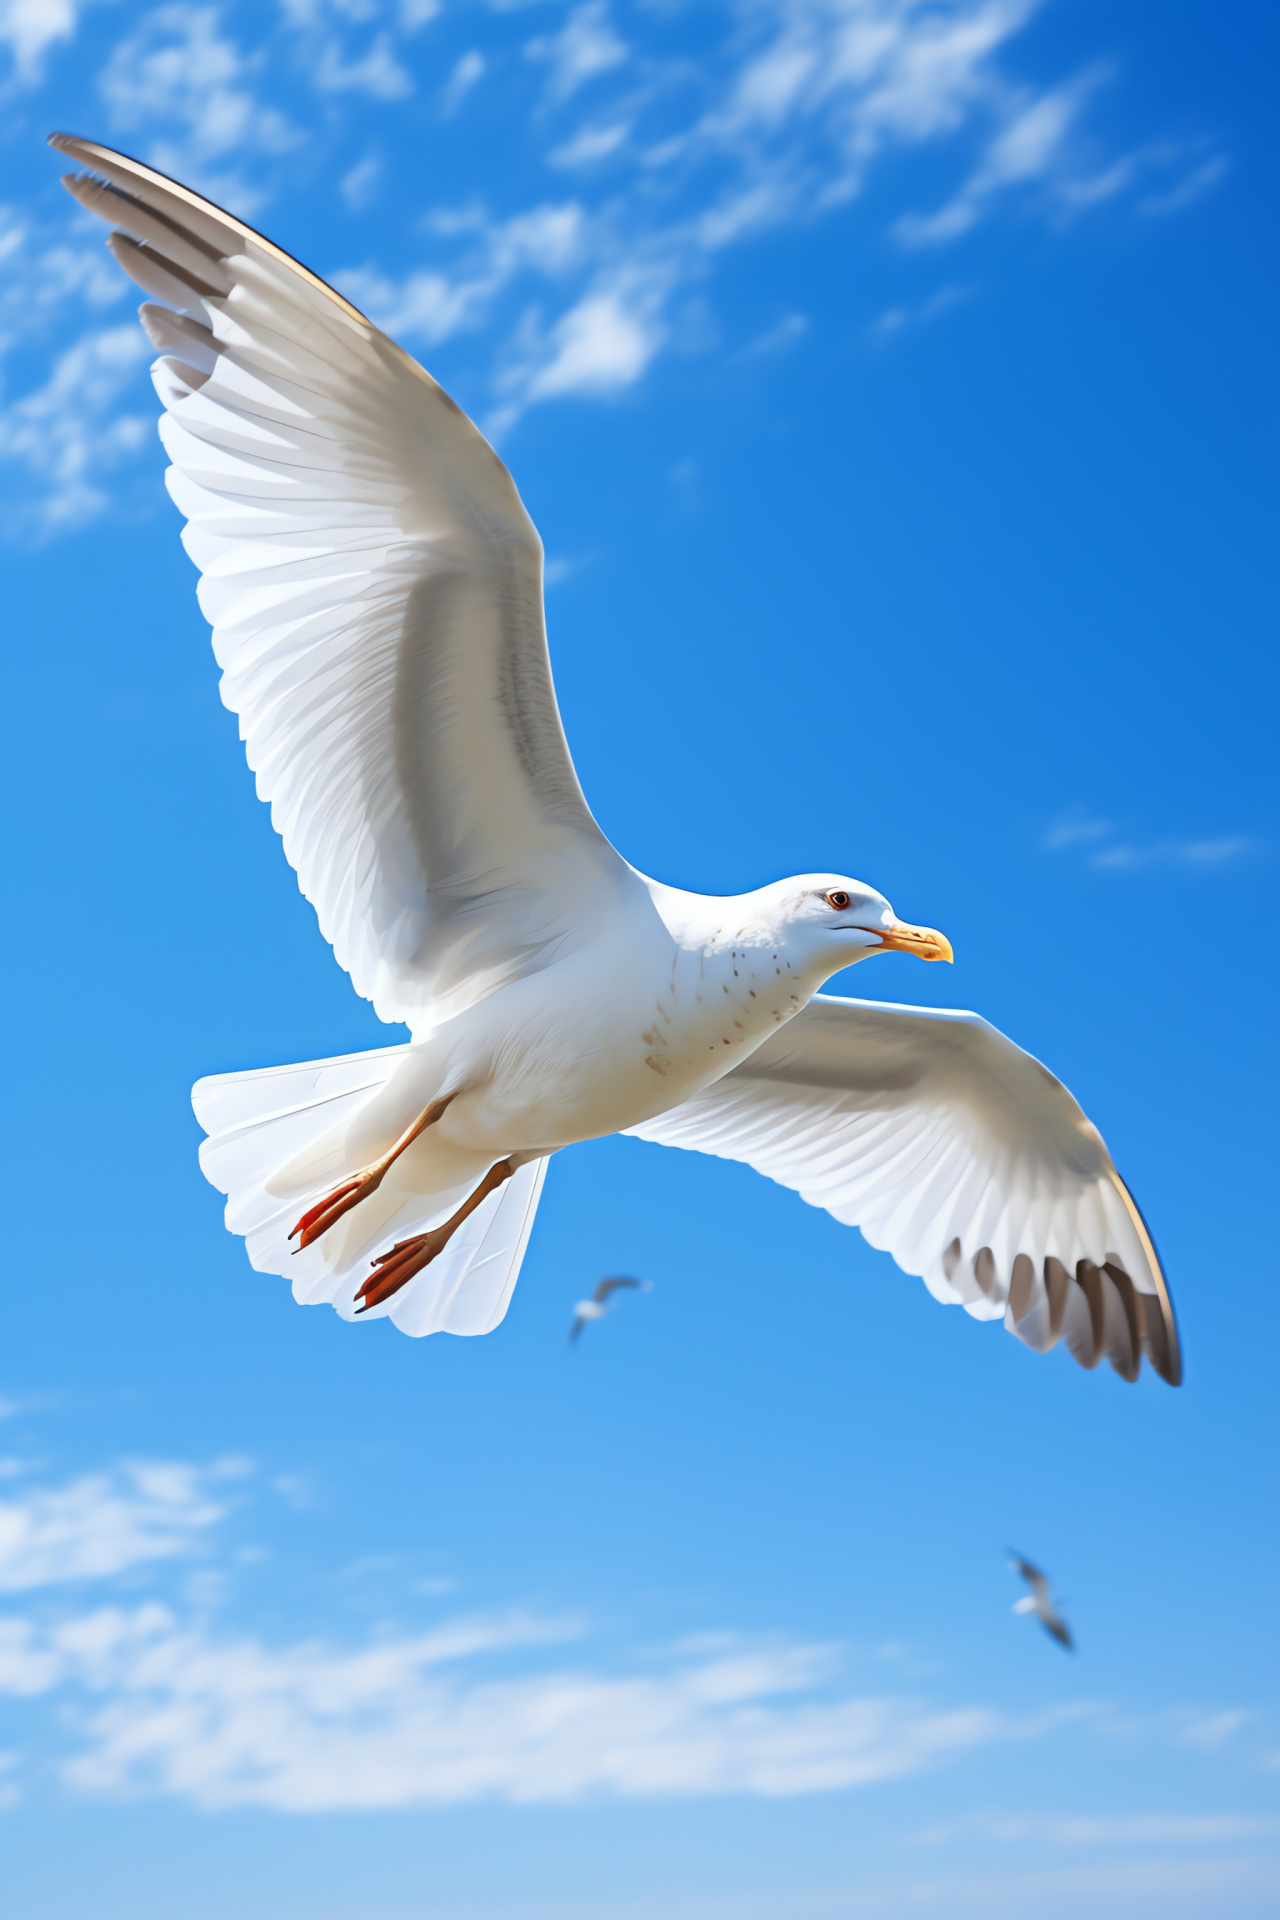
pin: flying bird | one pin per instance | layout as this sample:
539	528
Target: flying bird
1040	1602
596	1307
374	586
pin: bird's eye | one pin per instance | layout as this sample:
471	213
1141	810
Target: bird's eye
838	899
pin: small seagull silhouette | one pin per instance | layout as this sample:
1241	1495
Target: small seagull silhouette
1040	1602
596	1307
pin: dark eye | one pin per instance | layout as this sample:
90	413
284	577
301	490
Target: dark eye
838	899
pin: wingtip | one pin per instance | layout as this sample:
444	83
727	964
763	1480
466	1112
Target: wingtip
1168	1364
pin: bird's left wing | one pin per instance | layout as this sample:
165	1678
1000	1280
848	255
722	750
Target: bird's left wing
960	1155
610	1285
1037	1581
375	589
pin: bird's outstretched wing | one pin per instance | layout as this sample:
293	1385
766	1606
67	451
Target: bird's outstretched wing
1057	1626
960	1155
375	590
610	1285
1037	1581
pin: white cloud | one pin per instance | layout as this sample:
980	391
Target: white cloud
359	185
590	145
28	28
1195	185
1183	1830
430	306
788	333
1169	852
159	1699
1029	148
468	72
1214	1730
1076	828
306	1727
781	119
102	1524
896	320
68	432
177	67
378	73
585	47
1111	854
603	343
40	272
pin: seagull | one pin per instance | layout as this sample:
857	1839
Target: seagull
1039	1602
374	586
596	1307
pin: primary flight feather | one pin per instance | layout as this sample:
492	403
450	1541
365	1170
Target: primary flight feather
374	585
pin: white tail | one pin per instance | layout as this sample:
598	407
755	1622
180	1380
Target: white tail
266	1127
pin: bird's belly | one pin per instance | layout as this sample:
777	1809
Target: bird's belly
565	1061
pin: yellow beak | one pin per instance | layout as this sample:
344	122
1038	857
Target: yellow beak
922	941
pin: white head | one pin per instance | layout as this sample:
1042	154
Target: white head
823	921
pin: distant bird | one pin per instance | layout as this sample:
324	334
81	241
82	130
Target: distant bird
1040	1602
375	588
596	1307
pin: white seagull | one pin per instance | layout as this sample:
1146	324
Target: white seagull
596	1306
374	585
1040	1602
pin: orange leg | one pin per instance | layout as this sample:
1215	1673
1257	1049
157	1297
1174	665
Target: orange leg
393	1270
327	1212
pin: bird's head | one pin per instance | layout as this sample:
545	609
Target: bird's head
832	921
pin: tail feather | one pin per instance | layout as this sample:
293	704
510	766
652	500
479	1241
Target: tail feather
279	1135
259	1121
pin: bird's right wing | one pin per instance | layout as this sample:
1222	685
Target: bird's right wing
374	585
960	1155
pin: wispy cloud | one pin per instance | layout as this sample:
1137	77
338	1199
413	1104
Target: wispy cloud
1105	848
1078	1831
1196	184
376	72
29	28
1028	149
600	346
163	1697
585	47
178	79
789	331
783	121
359	185
164	1700
103	1523
69	432
783	117
468	72
1125	856
306	1727
896	320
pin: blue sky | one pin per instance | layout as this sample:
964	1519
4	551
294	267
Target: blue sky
894	387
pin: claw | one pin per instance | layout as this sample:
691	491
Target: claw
395	1269
327	1212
